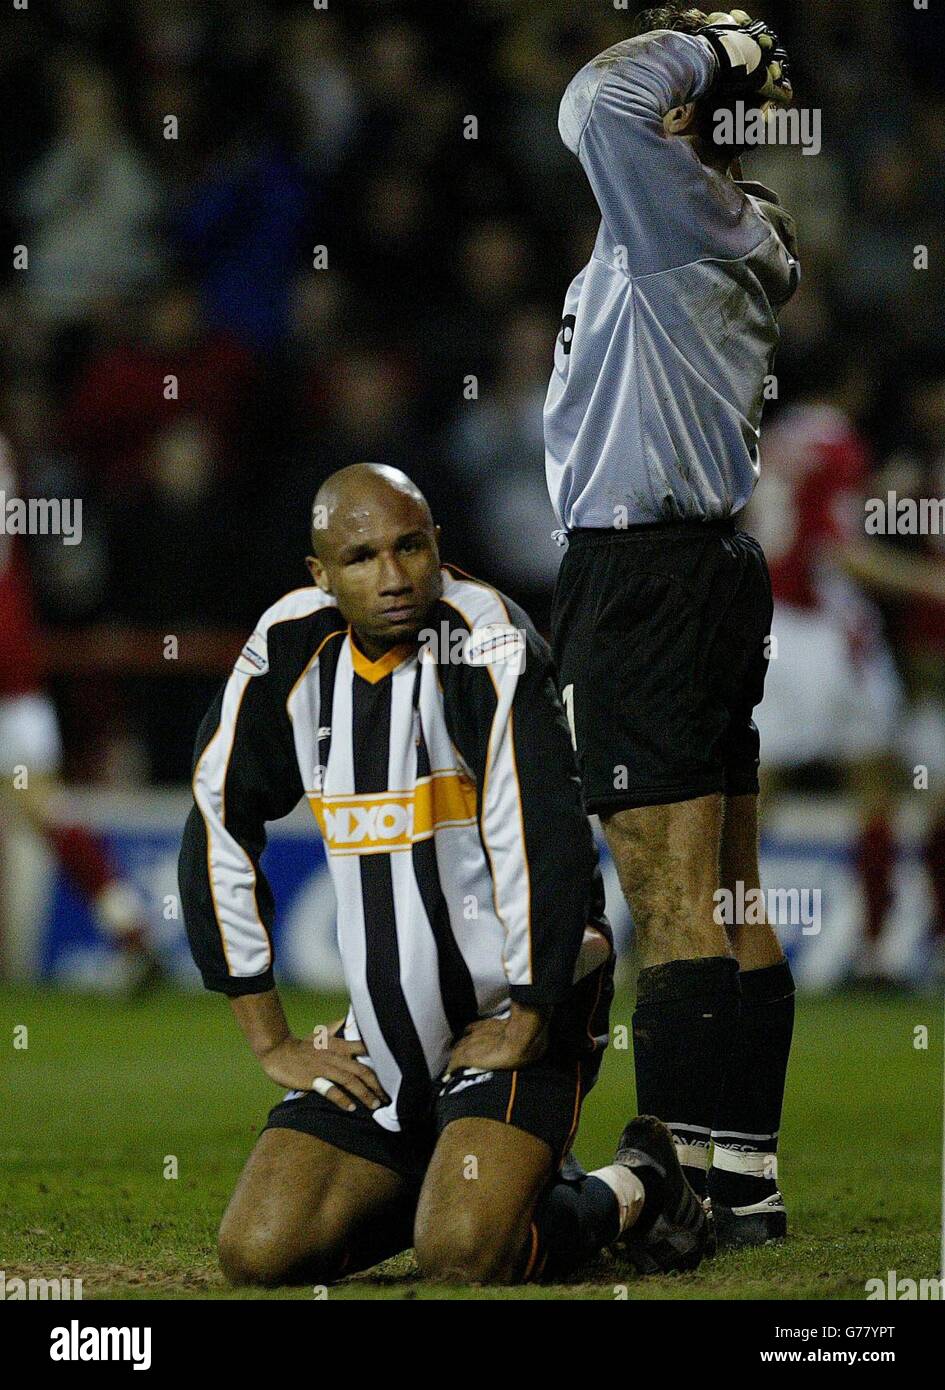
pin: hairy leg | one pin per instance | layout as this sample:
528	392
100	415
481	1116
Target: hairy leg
475	1211
667	859
303	1211
755	946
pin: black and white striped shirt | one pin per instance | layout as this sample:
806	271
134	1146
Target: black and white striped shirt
443	782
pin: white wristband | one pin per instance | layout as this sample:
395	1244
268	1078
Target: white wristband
742	50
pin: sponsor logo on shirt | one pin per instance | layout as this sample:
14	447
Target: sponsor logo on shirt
386	821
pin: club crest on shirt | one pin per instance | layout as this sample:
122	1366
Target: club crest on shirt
253	660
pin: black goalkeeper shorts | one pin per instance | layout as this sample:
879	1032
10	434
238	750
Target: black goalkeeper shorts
660	639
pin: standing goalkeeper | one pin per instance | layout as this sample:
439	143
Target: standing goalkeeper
663	606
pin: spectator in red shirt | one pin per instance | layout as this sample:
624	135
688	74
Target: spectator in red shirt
131	389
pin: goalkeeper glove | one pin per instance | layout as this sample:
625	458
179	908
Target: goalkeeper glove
752	62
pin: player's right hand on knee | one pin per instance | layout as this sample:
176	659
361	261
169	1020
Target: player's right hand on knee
326	1063
752	61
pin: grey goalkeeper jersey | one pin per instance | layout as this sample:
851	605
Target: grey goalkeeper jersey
653	411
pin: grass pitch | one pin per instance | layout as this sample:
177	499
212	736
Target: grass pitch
106	1093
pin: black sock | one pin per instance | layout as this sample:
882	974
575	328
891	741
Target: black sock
572	1224
682	1029
746	1123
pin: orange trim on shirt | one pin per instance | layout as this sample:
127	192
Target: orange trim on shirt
374	671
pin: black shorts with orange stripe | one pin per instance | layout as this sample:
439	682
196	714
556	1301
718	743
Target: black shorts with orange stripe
543	1098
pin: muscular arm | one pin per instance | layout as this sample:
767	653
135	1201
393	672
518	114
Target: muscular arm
513	731
262	1020
299	1062
246	773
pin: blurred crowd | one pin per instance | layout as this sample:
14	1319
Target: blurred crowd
267	240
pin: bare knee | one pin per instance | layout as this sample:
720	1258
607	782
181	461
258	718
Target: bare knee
256	1254
466	1250
250	1257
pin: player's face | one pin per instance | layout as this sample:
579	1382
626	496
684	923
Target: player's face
381	561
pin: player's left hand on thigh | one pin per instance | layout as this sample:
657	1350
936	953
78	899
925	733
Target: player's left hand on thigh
501	1044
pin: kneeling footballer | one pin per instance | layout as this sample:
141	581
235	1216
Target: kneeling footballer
416	712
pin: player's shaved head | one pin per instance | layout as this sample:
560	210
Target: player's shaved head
377	551
345	499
